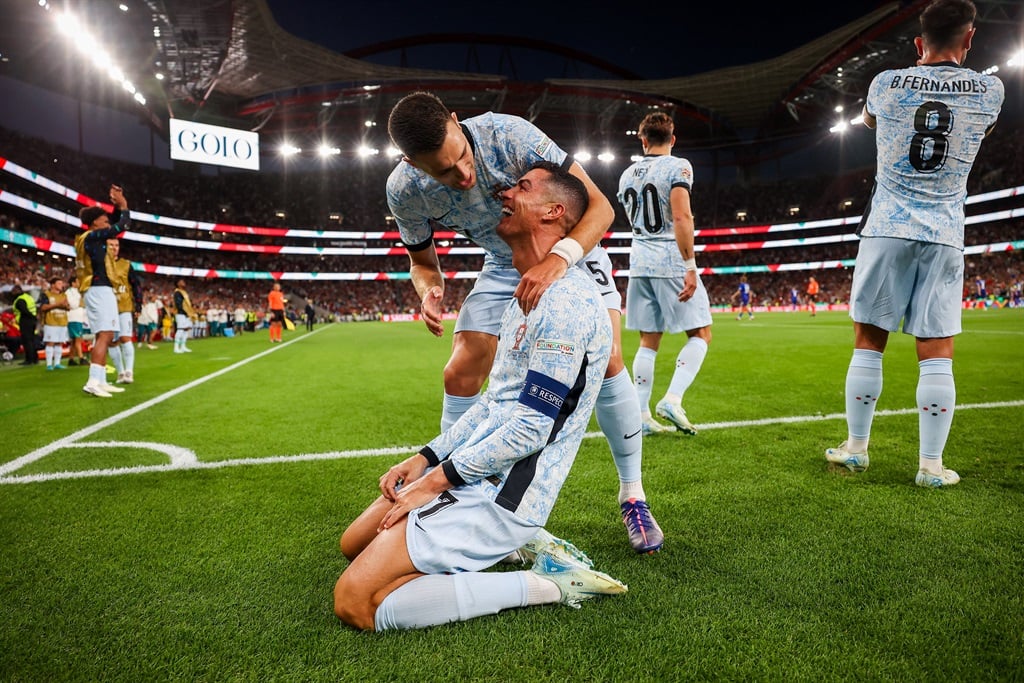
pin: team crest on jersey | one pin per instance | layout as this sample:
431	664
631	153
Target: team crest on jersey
555	346
687	175
518	339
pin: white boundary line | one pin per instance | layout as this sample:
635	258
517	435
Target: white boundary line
183	459
71	439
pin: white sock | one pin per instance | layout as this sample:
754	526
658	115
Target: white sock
643	377
97	373
936	398
863	387
454	407
114	354
688	363
541	591
618	414
128	356
443	598
50	362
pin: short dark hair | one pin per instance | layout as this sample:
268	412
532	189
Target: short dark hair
570	190
89	214
944	22
657	127
418	123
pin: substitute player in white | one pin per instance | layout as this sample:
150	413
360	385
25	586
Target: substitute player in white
665	293
486	486
451	178
930	120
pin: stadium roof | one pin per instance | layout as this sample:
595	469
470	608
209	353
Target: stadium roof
228	62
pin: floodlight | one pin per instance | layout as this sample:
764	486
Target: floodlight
1017	59
287	149
606	157
365	151
583	156
326	150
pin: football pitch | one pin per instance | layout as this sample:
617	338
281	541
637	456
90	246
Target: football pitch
188	528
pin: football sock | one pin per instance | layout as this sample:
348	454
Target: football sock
453	408
688	363
97	373
936	399
643	377
618	414
114	353
50	361
443	598
128	356
863	387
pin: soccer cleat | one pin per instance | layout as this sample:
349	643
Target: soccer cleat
129	376
96	390
111	389
936	481
855	462
185	349
151	346
58	366
120	378
652	426
676	415
644	533
49	368
557	547
576	582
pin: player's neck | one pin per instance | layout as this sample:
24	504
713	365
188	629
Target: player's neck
657	150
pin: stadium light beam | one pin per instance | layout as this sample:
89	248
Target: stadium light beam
326	150
364	151
606	157
583	156
287	149
1016	60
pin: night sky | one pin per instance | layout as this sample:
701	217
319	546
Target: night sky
680	39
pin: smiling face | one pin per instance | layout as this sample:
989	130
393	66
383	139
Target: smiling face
524	205
452	164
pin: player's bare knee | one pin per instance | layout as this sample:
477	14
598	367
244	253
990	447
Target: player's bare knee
351	606
462	381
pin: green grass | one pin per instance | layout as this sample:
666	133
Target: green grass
775	567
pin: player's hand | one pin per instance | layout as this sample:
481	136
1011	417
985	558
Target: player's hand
430	310
689	285
412	496
117	197
536	280
405	472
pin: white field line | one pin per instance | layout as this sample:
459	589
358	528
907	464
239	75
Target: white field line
185	462
71	439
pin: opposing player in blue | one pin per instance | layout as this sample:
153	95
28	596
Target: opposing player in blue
930	121
486	486
451	178
665	293
743	293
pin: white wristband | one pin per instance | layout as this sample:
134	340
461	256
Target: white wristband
690	264
569	249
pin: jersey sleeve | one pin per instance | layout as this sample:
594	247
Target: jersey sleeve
557	354
527	144
409	210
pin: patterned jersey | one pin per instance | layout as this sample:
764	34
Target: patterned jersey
931	121
520	439
644	190
504	148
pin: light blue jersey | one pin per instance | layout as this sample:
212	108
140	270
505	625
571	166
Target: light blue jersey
931	121
518	442
504	148
644	190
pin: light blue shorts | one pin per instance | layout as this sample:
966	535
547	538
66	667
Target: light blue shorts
182	321
653	305
463	530
486	303
55	334
919	283
101	309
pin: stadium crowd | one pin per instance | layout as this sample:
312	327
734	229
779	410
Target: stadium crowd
350	197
